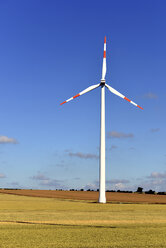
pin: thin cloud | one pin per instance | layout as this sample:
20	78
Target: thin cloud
155	181
113	147
67	150
7	140
121	186
150	95
60	165
120	135
83	155
91	186
157	184
157	175
40	176
51	182
48	182
2	175
15	184
114	184
154	130
117	181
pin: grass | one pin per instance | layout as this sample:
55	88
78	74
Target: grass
49	223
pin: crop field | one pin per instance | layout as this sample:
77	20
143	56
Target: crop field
91	196
49	223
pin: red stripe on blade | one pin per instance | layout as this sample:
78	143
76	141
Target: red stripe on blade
139	107
63	102
104	56
105	39
127	99
76	95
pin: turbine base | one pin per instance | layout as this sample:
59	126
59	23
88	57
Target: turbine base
102	200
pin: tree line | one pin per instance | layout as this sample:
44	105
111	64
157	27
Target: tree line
139	191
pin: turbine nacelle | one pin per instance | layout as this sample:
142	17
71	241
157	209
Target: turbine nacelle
102	82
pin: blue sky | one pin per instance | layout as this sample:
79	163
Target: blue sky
52	50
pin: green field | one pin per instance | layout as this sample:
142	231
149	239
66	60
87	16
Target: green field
34	222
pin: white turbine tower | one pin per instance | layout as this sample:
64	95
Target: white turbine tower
102	197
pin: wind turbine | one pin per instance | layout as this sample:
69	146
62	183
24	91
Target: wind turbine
102	197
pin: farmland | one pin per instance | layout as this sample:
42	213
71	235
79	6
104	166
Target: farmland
52	222
91	196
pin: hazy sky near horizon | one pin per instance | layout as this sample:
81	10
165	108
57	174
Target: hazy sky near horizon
52	50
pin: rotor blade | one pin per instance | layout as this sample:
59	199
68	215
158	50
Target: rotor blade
82	92
104	61
122	96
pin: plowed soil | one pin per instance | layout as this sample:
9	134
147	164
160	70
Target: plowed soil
91	196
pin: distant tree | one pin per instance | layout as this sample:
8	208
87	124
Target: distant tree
139	190
81	189
97	189
161	193
152	192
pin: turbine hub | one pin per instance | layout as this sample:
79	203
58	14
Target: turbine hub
102	82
